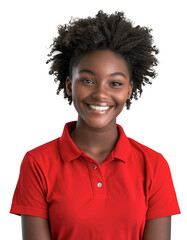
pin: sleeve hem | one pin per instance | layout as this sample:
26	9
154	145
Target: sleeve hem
20	210
162	214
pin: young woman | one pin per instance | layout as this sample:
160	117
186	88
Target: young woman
94	182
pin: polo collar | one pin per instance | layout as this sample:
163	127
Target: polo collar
69	150
123	148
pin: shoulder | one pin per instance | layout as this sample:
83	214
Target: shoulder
146	156
45	154
47	147
141	148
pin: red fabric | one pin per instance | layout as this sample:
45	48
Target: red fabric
60	182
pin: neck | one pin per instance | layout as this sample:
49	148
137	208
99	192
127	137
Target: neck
94	141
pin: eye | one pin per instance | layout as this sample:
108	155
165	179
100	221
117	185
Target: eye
116	84
86	80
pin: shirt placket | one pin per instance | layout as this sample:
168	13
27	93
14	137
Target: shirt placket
96	178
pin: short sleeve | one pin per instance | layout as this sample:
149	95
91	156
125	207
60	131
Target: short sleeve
162	200
30	193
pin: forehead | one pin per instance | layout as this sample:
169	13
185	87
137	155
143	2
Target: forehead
102	62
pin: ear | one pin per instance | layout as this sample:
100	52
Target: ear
130	90
68	86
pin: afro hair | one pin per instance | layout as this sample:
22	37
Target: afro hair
104	31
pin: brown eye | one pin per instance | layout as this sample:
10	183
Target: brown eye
116	84
85	80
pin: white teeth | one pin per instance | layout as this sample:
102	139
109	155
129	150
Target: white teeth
99	108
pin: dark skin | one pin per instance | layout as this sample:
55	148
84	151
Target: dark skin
100	79
104	82
35	228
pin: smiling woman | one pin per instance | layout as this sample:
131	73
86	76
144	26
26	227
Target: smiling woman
94	182
100	79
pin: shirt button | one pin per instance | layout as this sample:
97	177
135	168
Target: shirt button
99	184
94	166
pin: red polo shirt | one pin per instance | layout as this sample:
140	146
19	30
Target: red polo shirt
86	200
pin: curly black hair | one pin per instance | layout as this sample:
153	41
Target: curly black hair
105	31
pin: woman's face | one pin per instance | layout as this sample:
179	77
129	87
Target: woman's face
99	88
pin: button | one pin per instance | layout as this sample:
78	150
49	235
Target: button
94	166
99	184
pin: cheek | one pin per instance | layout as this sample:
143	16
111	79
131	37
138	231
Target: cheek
76	93
121	98
77	97
76	102
77	90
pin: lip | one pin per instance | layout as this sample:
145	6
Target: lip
91	110
99	104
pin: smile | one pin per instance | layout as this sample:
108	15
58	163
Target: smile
97	108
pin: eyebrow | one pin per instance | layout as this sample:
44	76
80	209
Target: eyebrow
111	75
118	73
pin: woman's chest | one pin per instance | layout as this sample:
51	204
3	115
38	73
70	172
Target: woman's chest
96	196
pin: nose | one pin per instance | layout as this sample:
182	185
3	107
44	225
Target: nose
100	92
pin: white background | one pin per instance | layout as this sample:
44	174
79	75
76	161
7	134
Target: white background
32	113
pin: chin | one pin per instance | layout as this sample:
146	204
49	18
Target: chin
99	124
